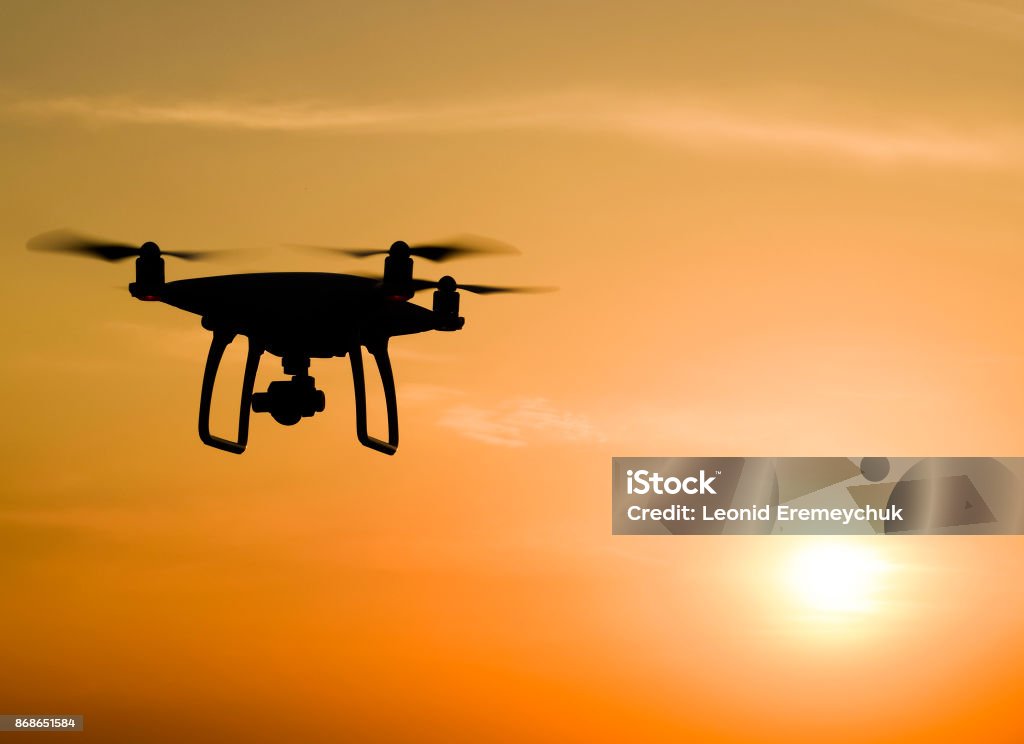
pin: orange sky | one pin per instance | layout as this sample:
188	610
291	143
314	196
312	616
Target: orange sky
778	230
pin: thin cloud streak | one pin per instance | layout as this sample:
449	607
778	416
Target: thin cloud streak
283	117
516	423
678	124
681	126
980	16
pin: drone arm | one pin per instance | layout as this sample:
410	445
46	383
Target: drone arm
380	354
220	342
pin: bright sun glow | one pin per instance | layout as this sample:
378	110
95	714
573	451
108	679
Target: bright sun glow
837	578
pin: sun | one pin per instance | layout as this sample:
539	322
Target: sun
837	578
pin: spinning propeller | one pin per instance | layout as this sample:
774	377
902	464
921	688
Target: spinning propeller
448	284
66	241
464	246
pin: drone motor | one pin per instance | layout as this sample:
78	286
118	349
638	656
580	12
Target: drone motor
446	305
149	273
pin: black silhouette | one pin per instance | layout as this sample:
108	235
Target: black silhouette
298	316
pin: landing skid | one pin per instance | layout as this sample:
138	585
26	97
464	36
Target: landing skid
222	339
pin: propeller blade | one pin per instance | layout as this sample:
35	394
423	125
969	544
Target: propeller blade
463	246
67	241
194	255
481	289
354	252
486	289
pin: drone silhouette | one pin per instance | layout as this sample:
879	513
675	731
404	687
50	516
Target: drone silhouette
298	316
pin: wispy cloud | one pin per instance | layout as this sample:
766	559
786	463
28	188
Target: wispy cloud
281	117
982	16
668	121
519	422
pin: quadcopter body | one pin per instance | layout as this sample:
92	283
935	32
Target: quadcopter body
297	316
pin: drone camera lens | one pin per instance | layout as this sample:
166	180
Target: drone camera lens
261	402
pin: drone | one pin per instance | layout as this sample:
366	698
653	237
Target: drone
298	316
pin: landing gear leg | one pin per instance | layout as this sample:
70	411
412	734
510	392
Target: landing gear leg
380	354
220	342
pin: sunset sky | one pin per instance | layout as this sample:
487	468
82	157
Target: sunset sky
778	229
